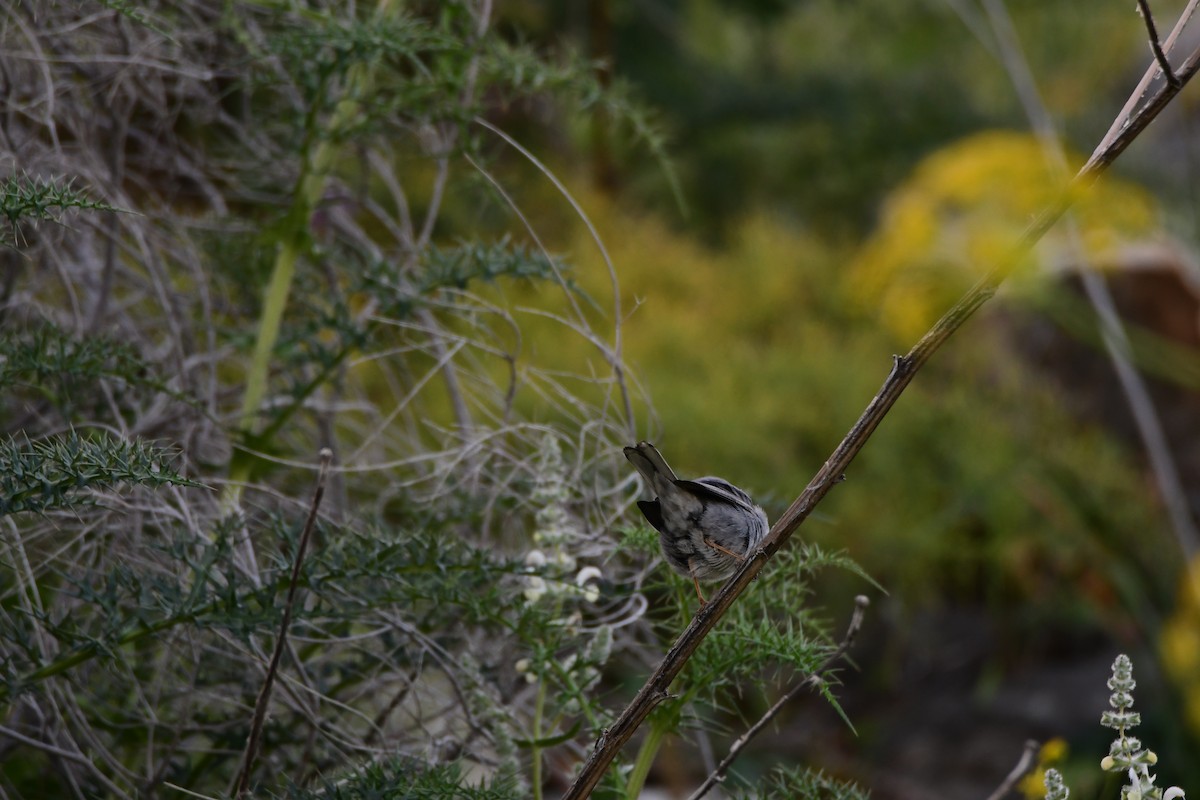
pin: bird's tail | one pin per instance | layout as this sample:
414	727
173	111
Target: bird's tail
647	460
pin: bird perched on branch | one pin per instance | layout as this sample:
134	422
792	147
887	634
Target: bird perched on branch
705	527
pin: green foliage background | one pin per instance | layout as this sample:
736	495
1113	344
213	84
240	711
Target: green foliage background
500	246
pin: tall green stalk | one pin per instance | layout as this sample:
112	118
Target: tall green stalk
321	150
536	750
659	728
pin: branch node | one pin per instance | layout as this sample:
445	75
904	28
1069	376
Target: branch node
1143	7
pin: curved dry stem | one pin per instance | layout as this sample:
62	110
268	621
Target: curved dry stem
611	353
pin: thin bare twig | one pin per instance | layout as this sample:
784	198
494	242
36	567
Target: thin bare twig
69	755
462	412
1023	765
611	353
813	679
1112	330
904	369
264	694
1155	47
1145	416
1122	119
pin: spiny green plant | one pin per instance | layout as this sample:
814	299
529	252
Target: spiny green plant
58	472
408	778
802	782
42	353
60	370
29	200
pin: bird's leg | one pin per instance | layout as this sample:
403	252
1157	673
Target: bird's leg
724	550
696	583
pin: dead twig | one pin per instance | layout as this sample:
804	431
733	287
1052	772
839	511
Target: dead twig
904	369
813	679
1155	46
242	783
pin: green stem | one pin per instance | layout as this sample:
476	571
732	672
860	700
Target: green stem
318	161
91	650
538	709
659	728
135	633
662	724
260	439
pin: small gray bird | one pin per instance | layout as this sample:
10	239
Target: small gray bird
705	527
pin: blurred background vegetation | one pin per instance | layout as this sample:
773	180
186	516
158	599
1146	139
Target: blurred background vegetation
787	193
847	171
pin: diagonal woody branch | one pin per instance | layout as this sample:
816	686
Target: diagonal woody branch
1123	133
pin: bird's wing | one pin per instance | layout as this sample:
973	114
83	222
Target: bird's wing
719	489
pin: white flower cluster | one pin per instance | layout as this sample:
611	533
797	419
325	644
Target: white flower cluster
1126	753
585	584
554	533
553	577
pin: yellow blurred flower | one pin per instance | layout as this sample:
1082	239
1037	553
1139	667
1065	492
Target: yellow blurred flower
962	212
1179	643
